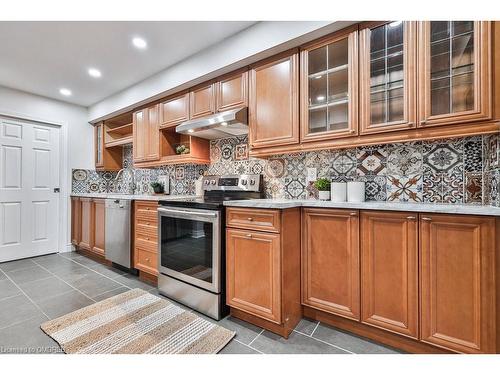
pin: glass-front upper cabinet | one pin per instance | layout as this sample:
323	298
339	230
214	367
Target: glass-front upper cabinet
454	72
329	87
387	76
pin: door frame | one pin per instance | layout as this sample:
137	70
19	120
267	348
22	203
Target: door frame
64	226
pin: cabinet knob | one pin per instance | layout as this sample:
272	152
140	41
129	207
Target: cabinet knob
147	238
147	208
147	260
148	224
250	219
427	219
411	217
249	235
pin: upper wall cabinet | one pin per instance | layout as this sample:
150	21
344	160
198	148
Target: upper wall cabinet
175	110
274	102
329	88
232	92
146	141
387	77
202	101
454	72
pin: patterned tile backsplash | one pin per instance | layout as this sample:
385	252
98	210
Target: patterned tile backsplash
454	171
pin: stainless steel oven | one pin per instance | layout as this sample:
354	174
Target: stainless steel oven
191	243
190	246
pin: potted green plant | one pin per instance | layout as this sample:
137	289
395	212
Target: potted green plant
182	149
323	186
157	187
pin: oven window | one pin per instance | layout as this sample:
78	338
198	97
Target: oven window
186	247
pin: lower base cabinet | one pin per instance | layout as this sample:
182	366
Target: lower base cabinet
330	261
389	271
428	283
146	237
263	267
88	224
457	282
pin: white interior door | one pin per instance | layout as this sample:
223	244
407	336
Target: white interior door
29	173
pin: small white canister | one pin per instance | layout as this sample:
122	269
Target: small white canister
356	191
338	191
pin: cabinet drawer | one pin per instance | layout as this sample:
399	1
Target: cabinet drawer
143	244
142	230
145	222
255	219
147	261
146	211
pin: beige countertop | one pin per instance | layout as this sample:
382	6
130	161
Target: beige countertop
138	197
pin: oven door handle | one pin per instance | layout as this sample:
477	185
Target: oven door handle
169	210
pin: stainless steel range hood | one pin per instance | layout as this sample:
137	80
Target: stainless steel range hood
220	125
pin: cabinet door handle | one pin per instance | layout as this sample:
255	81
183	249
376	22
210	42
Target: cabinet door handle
427	219
353	214
249	235
250	219
411	217
147	260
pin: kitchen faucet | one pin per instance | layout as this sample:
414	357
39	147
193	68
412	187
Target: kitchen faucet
133	185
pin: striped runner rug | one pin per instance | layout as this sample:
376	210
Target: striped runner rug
136	322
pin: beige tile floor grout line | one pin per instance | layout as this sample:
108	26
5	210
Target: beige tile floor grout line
248	346
255	338
315	328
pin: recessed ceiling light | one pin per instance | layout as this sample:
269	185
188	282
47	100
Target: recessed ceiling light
65	92
139	43
93	72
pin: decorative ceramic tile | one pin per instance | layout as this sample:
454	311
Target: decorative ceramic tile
311	191
275	168
453	188
492	151
256	166
404	159
319	160
442	157
473	188
295	166
404	188
294	188
241	152
371	162
473	154
432	190
375	187
241	167
179	173
343	162
79	174
494	187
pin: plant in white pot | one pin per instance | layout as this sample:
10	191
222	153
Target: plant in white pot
323	186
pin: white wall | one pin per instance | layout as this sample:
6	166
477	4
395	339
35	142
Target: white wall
77	133
257	42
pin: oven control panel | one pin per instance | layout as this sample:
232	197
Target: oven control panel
243	182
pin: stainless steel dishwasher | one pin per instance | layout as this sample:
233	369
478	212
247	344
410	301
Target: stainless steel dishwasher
118	231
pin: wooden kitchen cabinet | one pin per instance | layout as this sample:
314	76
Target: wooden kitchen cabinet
263	270
274	102
254	273
387	77
329	87
146	135
174	110
330	261
76	220
202	101
454	72
389	271
146	237
98	229
232	92
87	224
457	282
99	144
106	159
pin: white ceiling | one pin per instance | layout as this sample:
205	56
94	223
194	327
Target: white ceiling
42	57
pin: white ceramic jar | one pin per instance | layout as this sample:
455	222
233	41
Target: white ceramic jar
338	191
356	191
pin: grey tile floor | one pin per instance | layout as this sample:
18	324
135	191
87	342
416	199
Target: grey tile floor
35	290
